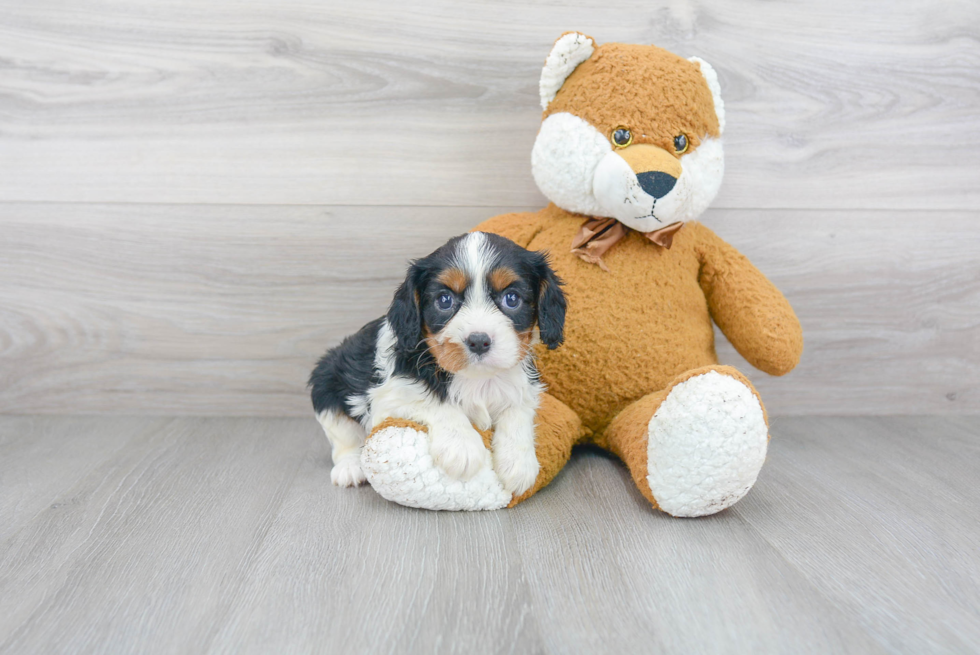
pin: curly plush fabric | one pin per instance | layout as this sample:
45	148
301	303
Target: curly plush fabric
398	465
630	331
637	374
640	87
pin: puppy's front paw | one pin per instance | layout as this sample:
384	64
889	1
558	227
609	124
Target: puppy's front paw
458	452
516	467
346	472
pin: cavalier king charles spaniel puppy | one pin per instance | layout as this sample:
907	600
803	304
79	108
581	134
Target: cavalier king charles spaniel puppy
454	351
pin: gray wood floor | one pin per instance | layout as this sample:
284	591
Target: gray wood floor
159	535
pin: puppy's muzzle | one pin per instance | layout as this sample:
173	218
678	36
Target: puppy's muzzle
478	343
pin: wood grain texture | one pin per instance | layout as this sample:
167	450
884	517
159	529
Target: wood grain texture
224	310
167	527
225	536
40	459
623	579
439	583
902	491
837	104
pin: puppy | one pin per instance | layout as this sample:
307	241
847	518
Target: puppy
454	350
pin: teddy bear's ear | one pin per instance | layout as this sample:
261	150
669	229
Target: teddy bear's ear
711	77
570	50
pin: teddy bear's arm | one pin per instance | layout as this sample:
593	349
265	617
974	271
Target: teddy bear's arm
749	309
519	227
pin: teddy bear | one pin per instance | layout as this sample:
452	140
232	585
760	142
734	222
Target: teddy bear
629	154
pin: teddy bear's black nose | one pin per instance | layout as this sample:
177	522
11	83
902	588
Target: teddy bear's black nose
655	183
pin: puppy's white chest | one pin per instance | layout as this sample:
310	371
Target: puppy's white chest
483	399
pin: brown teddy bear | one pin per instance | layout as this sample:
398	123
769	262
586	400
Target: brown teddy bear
629	154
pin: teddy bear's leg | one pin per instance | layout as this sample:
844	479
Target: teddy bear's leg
397	463
556	429
695	447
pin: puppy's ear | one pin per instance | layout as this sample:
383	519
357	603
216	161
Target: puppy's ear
405	315
551	303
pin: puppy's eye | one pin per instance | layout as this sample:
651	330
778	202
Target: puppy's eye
622	137
680	144
512	300
445	302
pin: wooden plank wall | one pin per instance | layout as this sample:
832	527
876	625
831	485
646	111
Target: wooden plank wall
197	198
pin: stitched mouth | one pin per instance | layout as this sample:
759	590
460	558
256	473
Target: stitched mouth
651	214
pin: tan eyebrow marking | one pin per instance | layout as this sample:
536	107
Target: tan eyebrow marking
453	278
502	277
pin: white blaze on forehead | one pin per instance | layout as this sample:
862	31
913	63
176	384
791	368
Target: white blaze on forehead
479	313
473	256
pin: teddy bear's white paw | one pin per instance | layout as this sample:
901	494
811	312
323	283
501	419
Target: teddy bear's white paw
707	443
346	471
397	463
458	451
516	467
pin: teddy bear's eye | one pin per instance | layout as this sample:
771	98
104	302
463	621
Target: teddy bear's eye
622	137
680	144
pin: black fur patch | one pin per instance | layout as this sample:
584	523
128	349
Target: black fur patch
550	302
419	364
348	370
345	371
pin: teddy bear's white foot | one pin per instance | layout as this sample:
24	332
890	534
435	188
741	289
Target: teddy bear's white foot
397	463
707	443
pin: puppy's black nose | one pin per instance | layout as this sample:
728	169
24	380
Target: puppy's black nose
655	183
478	343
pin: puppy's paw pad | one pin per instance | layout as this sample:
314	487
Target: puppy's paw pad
517	469
347	472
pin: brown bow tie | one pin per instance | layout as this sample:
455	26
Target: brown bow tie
597	235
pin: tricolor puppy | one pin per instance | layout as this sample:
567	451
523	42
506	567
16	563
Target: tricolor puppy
455	350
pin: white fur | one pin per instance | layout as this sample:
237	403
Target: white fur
576	168
514	456
454	444
508	403
707	443
384	354
346	439
496	390
696	188
618	192
568	52
711	77
564	160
